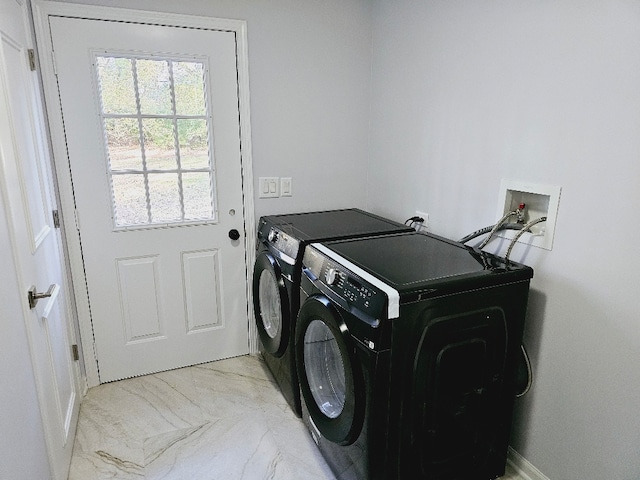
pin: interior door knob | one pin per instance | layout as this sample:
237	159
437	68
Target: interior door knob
234	234
33	296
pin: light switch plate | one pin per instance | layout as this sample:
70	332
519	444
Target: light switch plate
285	187
269	187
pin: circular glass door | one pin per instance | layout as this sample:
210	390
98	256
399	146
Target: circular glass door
330	374
324	368
271	305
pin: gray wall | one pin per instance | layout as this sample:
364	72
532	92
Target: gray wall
466	93
309	68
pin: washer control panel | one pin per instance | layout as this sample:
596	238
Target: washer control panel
331	276
355	293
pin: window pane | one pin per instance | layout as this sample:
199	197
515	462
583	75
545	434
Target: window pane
159	143
188	78
165	197
196	188
129	200
133	89
116	85
154	87
123	142
194	143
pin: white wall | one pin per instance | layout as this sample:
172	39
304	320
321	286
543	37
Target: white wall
309	78
22	442
466	93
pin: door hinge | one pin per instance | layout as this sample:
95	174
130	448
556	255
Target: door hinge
74	352
32	59
54	63
56	218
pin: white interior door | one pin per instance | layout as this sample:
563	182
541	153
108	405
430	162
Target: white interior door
151	117
25	183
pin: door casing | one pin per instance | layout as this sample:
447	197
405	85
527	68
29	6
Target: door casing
45	9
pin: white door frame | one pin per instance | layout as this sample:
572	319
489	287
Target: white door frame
44	9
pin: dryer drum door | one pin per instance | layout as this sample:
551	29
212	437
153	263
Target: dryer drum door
330	375
271	305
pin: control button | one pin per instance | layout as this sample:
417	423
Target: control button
331	276
273	235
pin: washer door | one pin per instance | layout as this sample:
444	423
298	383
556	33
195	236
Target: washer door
271	305
330	374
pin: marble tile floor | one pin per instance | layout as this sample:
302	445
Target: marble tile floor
222	420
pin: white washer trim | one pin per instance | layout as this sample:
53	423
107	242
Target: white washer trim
393	308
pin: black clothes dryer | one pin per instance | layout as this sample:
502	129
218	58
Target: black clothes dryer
276	279
406	348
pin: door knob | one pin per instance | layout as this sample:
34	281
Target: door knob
33	296
234	234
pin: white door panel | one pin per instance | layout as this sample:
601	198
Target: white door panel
161	295
30	177
25	183
201	273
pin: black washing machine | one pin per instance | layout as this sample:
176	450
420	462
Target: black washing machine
406	348
276	279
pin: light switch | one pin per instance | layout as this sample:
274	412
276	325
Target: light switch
269	187
285	187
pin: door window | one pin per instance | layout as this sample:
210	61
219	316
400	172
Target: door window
156	129
324	368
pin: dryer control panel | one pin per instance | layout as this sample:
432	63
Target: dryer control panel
344	286
284	243
285	246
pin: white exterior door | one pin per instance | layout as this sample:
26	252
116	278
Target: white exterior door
25	183
151	117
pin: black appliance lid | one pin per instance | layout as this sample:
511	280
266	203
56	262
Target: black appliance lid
415	261
334	224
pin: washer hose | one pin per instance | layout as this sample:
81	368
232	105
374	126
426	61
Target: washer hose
529	372
496	227
525	227
482	231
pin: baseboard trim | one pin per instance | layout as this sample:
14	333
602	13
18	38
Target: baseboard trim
523	467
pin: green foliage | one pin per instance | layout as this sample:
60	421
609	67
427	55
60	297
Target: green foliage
118	96
117	91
